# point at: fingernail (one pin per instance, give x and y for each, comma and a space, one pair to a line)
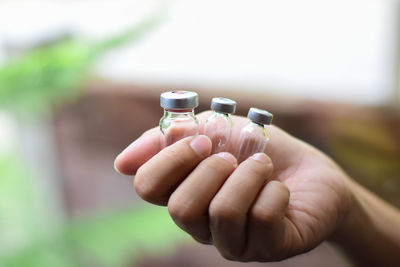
261, 157
228, 157
202, 145
115, 165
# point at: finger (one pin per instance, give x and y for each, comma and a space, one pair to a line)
156, 179
137, 153
147, 145
266, 237
188, 205
176, 133
228, 210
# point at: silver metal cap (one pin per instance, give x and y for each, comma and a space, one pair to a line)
223, 105
179, 100
260, 116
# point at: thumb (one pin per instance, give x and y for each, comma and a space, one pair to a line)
137, 153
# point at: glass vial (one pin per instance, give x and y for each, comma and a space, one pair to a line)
179, 120
254, 136
219, 125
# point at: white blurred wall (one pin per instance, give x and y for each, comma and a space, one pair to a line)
335, 50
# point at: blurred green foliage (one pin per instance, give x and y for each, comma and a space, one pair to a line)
112, 240
115, 239
35, 81
49, 75
19, 203
31, 85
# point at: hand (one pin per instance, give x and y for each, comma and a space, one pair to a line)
265, 209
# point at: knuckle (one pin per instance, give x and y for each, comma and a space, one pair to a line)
264, 215
140, 183
218, 164
144, 188
283, 188
228, 256
222, 211
179, 154
180, 212
177, 157
233, 256
261, 170
205, 240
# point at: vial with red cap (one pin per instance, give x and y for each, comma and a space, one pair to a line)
254, 136
179, 120
219, 125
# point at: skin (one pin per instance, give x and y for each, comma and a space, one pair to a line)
270, 207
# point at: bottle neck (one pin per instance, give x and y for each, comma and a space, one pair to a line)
258, 124
179, 112
263, 128
221, 114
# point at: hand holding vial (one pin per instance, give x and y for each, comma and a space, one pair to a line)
179, 121
266, 208
244, 209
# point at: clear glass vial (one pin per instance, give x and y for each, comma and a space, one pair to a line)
219, 125
254, 136
179, 120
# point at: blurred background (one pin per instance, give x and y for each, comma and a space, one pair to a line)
80, 80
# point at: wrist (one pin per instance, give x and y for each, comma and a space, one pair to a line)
368, 233
349, 214
349, 231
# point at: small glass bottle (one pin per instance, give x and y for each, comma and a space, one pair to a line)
254, 136
179, 120
219, 125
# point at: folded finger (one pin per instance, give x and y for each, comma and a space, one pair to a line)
156, 179
266, 223
228, 210
188, 205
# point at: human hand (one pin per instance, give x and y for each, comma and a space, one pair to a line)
265, 209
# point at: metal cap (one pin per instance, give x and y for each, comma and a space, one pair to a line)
179, 100
260, 116
223, 105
